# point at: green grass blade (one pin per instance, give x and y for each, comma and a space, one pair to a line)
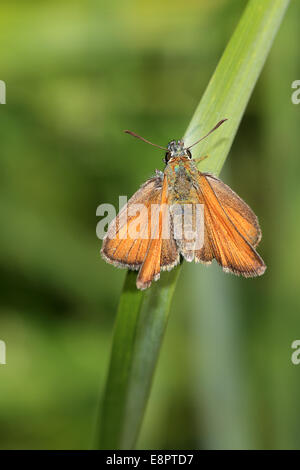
142, 317
139, 328
231, 85
122, 354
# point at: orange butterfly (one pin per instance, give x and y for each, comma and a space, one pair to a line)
161, 222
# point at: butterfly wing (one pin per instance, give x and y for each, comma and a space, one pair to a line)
121, 249
224, 236
148, 252
169, 256
237, 210
162, 253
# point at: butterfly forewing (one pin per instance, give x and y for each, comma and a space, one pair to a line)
148, 251
119, 246
152, 263
237, 210
224, 238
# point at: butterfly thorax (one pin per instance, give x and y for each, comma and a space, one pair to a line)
181, 173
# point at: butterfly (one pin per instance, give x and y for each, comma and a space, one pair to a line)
161, 224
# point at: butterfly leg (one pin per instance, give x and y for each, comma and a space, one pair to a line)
199, 159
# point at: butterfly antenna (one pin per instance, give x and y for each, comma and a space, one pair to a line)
144, 140
212, 130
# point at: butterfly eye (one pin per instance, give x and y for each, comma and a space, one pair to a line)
167, 157
189, 153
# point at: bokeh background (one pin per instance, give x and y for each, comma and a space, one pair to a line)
77, 74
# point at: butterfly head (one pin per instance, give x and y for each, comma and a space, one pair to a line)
175, 149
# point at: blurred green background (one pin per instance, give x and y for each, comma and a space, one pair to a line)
77, 74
